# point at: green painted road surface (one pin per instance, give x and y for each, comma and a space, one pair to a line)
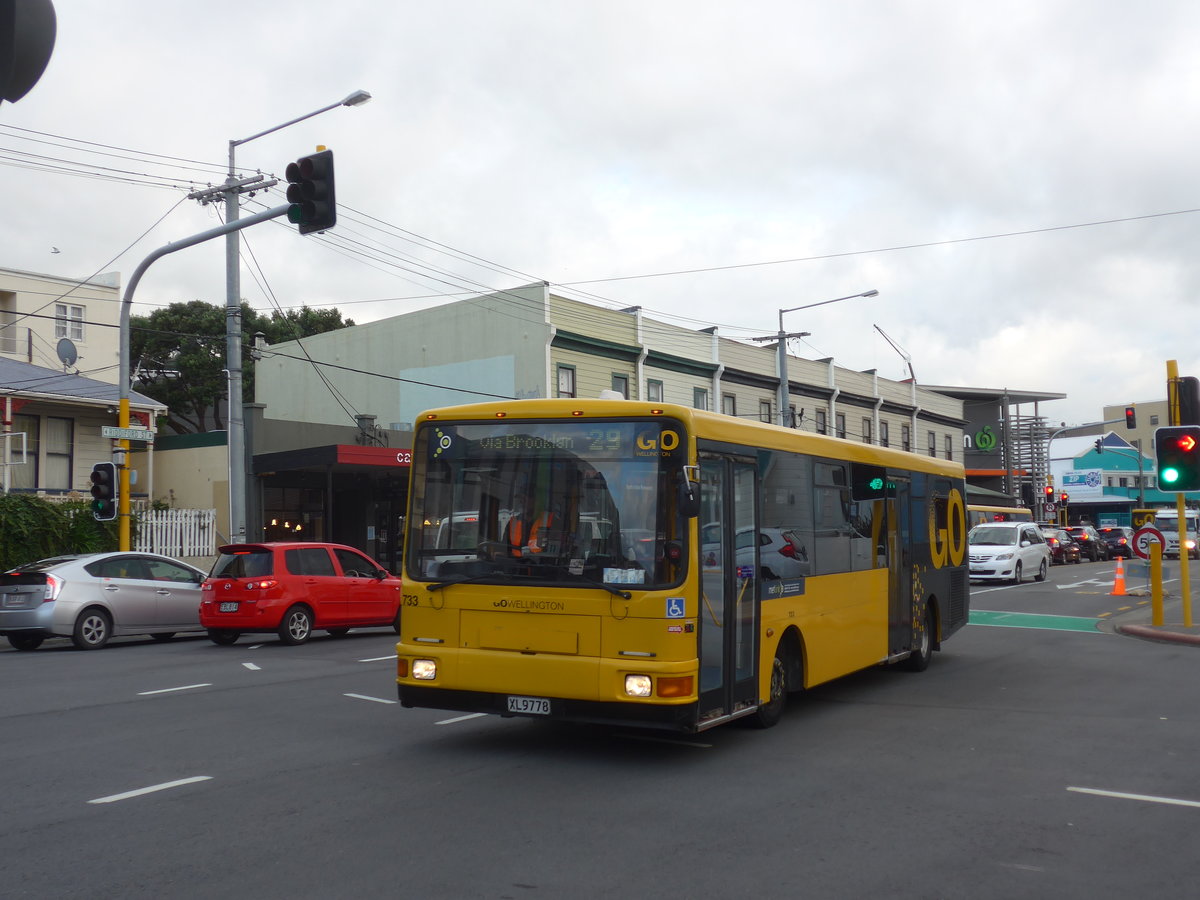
1033, 620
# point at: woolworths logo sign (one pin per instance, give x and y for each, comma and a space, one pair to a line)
984, 439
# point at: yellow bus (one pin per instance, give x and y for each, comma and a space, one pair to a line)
652, 565
977, 515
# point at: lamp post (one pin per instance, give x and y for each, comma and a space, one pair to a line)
233, 319
782, 336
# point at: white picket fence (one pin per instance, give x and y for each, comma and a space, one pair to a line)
177, 532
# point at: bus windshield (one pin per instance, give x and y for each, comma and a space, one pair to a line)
557, 502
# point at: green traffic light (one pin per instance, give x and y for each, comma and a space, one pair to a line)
1169, 475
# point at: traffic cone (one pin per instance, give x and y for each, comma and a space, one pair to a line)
1119, 579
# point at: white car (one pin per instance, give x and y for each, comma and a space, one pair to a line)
1007, 551
90, 598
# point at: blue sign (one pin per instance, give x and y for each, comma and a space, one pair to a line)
675, 608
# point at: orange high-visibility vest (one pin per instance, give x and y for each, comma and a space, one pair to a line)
519, 543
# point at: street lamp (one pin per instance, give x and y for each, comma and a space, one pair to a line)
782, 336
233, 318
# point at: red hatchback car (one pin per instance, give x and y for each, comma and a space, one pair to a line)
292, 588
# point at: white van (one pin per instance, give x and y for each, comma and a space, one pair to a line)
1167, 521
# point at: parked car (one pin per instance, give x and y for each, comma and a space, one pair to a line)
1089, 542
1005, 551
1118, 539
1063, 548
92, 597
292, 588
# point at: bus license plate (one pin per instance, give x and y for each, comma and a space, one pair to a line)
229, 607
537, 706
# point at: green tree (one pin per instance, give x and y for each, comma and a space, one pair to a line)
178, 354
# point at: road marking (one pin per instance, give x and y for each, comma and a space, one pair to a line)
999, 619
658, 740
1090, 581
1171, 801
252, 667
461, 719
378, 658
150, 790
186, 687
372, 699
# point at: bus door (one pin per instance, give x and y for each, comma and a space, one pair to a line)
900, 562
728, 626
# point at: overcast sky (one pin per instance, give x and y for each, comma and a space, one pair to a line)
1016, 179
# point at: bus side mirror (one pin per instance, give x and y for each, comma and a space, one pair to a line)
689, 492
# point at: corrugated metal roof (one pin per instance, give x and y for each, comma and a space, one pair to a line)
24, 380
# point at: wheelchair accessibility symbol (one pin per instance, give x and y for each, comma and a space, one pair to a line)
675, 608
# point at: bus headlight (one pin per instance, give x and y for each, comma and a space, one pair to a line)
638, 685
424, 669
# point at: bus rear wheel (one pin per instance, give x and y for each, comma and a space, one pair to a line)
771, 712
922, 652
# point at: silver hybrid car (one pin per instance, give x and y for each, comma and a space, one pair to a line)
92, 597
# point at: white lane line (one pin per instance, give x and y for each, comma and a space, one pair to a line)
254, 646
1171, 801
658, 740
378, 658
252, 667
150, 790
372, 699
186, 687
461, 718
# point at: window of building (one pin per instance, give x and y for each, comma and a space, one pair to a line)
883, 433
866, 432
792, 421
764, 410
620, 384
566, 381
8, 322
906, 438
839, 422
654, 391
729, 404
949, 446
25, 475
932, 444
60, 446
68, 321
822, 422
1154, 420
700, 398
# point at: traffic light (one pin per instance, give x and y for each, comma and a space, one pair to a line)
1099, 445
1049, 493
27, 32
1177, 452
310, 192
104, 491
1189, 400
1130, 417
1063, 498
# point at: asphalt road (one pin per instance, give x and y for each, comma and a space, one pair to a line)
1026, 761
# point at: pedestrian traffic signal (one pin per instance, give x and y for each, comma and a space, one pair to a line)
104, 491
1130, 417
1177, 453
310, 192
